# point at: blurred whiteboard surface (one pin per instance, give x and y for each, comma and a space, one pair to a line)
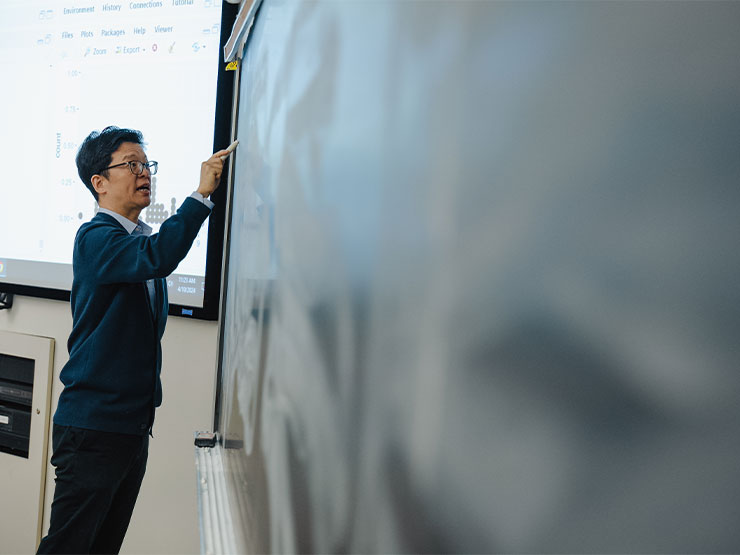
483, 278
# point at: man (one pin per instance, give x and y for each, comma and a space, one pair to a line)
119, 309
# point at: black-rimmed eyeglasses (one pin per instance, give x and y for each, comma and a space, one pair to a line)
136, 167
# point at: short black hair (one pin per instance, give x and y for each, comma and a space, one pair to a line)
96, 152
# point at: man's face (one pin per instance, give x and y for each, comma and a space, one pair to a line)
123, 192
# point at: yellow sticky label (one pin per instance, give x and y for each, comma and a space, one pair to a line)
232, 65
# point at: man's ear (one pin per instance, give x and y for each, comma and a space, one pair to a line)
99, 183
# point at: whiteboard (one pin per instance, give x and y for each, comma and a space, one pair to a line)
482, 287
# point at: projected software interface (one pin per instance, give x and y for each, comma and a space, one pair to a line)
72, 67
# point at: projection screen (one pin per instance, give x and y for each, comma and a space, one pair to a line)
72, 67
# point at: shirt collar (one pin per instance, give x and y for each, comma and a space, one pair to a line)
133, 229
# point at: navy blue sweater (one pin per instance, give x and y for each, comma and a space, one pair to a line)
111, 382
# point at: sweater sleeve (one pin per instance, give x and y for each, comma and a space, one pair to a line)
108, 254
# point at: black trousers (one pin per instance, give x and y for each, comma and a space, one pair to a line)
98, 476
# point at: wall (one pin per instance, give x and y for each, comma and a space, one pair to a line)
165, 519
